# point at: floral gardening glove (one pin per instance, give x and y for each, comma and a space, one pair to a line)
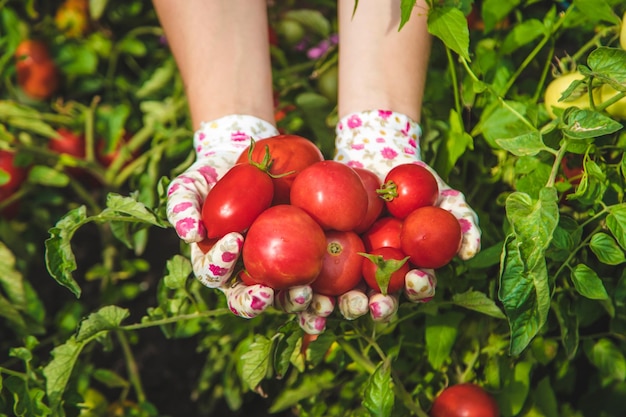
379, 140
218, 144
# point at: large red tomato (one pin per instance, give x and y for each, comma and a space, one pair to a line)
288, 154
408, 187
384, 232
236, 200
37, 74
341, 270
283, 248
464, 400
375, 204
332, 193
388, 263
431, 236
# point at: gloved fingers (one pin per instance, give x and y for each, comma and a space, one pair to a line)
294, 299
185, 196
313, 319
214, 268
353, 304
382, 307
420, 285
248, 301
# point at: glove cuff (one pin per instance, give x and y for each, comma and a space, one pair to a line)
228, 136
377, 140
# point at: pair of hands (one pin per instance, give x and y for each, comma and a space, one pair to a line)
376, 140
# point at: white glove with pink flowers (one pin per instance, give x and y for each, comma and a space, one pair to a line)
379, 140
218, 144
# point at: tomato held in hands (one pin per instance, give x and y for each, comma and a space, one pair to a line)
332, 193
341, 270
385, 265
375, 204
408, 187
464, 400
431, 236
384, 232
236, 200
289, 154
37, 74
283, 248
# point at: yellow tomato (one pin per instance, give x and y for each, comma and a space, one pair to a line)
618, 109
555, 89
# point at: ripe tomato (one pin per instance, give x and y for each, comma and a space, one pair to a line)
408, 187
284, 247
431, 236
332, 193
375, 204
464, 400
37, 74
68, 142
236, 200
390, 264
11, 177
341, 270
289, 154
384, 232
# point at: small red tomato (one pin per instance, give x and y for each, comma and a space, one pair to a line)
388, 265
384, 232
68, 142
341, 270
206, 244
408, 187
37, 74
289, 154
236, 200
11, 178
431, 236
283, 248
375, 204
332, 193
464, 400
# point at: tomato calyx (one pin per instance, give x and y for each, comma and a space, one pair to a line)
266, 163
388, 191
385, 268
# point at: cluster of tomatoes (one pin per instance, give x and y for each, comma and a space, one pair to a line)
310, 221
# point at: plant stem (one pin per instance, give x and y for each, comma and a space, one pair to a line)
131, 365
175, 319
455, 86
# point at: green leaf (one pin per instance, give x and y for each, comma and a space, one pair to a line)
28, 402
522, 34
606, 249
588, 283
110, 378
378, 396
47, 176
441, 333
505, 121
450, 25
586, 123
493, 11
385, 268
256, 361
58, 371
478, 301
454, 147
106, 319
178, 271
319, 347
60, 260
608, 359
616, 222
77, 59
528, 144
545, 399
288, 349
597, 10
592, 184
137, 211
96, 8
568, 324
160, 78
515, 389
406, 8
311, 385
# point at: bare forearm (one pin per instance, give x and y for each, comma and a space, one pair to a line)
222, 51
379, 66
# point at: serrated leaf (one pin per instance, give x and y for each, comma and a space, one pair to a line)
129, 206
178, 270
288, 348
478, 301
106, 319
528, 144
440, 335
378, 396
58, 371
256, 361
319, 347
586, 124
449, 25
28, 402
606, 249
588, 283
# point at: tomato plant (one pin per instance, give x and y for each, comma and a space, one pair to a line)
332, 193
464, 400
408, 187
37, 74
342, 264
384, 269
284, 247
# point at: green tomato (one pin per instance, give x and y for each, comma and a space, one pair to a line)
290, 30
618, 109
327, 83
556, 88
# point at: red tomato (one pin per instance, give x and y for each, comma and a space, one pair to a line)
236, 200
384, 232
341, 270
332, 193
289, 154
431, 236
206, 244
408, 187
464, 400
68, 142
375, 204
284, 247
37, 74
106, 157
15, 175
572, 166
384, 264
